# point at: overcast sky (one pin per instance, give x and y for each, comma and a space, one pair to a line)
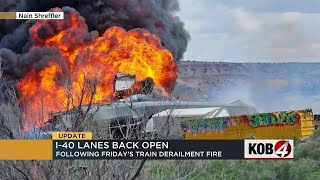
252, 30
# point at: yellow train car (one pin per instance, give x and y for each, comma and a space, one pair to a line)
274, 125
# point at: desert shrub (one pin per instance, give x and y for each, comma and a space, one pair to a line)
316, 134
310, 148
306, 165
175, 169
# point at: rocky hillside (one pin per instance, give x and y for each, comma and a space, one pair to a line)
268, 86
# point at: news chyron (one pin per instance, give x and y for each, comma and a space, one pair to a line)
268, 149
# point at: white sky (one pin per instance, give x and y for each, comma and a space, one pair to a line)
252, 30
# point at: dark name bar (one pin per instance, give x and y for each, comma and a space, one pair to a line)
148, 149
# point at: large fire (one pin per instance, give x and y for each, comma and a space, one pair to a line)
87, 64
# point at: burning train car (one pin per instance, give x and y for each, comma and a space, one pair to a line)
175, 119
140, 110
125, 85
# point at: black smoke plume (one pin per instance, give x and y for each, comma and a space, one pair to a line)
156, 16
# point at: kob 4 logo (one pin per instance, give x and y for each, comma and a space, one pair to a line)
268, 149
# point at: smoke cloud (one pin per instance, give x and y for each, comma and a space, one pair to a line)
158, 17
65, 54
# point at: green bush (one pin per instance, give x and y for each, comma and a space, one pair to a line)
306, 165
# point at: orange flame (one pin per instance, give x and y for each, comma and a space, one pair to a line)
89, 61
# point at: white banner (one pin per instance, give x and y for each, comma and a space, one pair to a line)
268, 149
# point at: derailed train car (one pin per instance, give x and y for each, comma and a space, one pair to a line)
274, 125
204, 121
189, 120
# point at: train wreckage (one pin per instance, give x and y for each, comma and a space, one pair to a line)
131, 108
175, 119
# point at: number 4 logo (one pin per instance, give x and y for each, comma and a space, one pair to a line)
282, 148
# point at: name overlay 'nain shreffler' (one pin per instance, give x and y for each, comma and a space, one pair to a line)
268, 149
39, 15
31, 15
